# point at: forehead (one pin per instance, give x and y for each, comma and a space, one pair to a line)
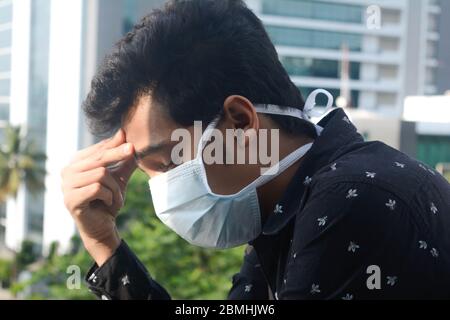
147, 124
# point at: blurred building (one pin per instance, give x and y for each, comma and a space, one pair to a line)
5, 83
443, 71
422, 132
392, 47
24, 40
49, 51
431, 116
79, 42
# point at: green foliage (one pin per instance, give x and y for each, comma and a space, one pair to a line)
53, 275
187, 272
27, 254
447, 176
6, 270
20, 162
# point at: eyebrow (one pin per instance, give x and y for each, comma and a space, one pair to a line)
138, 155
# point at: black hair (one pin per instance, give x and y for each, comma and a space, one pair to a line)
190, 56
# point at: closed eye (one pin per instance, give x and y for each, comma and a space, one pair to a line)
166, 167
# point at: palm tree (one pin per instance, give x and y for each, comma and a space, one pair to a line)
20, 162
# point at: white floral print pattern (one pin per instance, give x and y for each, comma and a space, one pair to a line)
322, 221
352, 193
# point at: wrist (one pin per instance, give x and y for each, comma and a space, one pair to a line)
102, 249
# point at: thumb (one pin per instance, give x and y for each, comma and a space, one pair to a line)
124, 171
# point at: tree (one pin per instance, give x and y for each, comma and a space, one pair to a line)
6, 268
20, 162
26, 255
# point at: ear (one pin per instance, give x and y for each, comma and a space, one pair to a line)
239, 113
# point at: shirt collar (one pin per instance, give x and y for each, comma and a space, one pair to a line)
338, 132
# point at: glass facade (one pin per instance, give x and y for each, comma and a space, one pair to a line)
134, 10
5, 67
5, 38
5, 63
313, 9
316, 39
6, 14
130, 18
307, 38
4, 112
39, 50
37, 107
4, 87
308, 67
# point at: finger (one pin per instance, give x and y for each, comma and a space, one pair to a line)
87, 194
114, 141
101, 175
105, 158
88, 151
125, 170
86, 178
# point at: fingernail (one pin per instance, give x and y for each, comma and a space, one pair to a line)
127, 148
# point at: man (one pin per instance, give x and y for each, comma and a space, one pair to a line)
339, 219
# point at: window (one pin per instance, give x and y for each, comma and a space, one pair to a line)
130, 10
432, 49
387, 72
430, 76
5, 63
5, 38
4, 112
134, 10
4, 87
433, 22
391, 17
6, 14
309, 67
310, 9
386, 99
313, 38
389, 45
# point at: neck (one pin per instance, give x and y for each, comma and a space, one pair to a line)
270, 193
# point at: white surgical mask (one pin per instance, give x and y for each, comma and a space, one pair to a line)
185, 203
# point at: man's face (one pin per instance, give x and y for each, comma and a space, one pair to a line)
149, 129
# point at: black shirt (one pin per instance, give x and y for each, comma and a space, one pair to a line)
359, 220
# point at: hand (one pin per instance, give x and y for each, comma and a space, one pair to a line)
94, 193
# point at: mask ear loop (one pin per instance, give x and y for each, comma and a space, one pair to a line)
201, 145
206, 135
304, 114
311, 102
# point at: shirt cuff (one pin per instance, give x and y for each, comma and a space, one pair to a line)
121, 277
